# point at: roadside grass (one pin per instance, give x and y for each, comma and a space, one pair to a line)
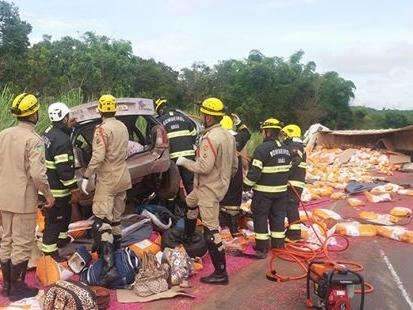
71, 98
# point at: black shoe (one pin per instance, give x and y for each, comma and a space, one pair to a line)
61, 243
6, 270
216, 278
18, 288
260, 255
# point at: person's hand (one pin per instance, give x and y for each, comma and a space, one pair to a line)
75, 197
180, 161
83, 186
235, 119
49, 202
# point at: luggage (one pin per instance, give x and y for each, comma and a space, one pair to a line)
174, 237
102, 297
180, 263
69, 295
48, 271
125, 267
151, 278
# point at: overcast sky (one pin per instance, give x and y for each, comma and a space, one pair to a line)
367, 41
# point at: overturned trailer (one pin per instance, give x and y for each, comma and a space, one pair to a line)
395, 140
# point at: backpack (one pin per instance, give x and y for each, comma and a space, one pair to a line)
69, 295
173, 237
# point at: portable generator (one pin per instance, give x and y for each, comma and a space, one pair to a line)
333, 286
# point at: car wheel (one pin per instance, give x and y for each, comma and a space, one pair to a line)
169, 185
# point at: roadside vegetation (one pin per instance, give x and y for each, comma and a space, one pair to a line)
76, 70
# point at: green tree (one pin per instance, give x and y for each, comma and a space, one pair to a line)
14, 42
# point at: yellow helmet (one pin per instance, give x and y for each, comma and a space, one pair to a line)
107, 104
160, 103
271, 123
227, 122
24, 105
212, 106
292, 131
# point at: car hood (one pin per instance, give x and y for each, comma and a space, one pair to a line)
126, 106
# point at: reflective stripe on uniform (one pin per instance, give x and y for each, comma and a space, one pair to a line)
248, 182
182, 154
259, 236
180, 133
294, 227
303, 165
63, 235
276, 169
50, 164
49, 248
193, 132
61, 158
297, 183
270, 189
257, 163
69, 182
60, 192
277, 234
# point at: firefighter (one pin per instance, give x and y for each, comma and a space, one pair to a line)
60, 166
268, 177
22, 175
109, 152
181, 132
230, 205
297, 179
215, 164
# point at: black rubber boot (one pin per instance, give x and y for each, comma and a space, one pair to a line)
293, 235
18, 288
61, 243
220, 275
190, 226
277, 243
117, 242
56, 256
6, 270
233, 226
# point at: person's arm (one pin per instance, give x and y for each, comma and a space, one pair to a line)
205, 161
99, 143
37, 167
254, 171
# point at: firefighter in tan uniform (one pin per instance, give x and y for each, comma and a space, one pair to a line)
215, 164
108, 161
22, 175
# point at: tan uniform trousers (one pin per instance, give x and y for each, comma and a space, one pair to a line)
111, 208
18, 236
208, 208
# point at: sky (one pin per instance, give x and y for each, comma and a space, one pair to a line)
367, 41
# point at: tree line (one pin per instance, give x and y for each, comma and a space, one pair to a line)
256, 87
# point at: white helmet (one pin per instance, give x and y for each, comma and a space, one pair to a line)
57, 111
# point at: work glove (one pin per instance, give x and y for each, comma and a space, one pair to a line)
181, 161
236, 119
83, 186
49, 202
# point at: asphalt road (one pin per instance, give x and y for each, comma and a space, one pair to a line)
388, 267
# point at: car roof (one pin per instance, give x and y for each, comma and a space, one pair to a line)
126, 106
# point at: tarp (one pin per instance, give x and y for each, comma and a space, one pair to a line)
400, 139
